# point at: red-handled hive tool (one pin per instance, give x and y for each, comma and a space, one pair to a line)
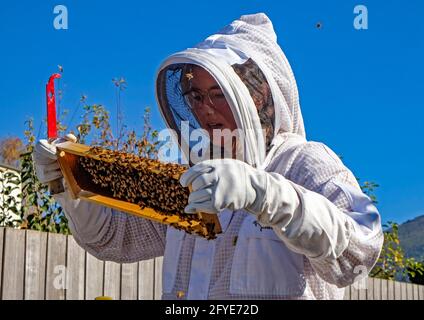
55, 186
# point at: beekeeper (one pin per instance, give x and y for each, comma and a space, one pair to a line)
295, 222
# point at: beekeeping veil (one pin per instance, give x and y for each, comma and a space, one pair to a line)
229, 56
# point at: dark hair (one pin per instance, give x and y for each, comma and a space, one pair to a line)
255, 81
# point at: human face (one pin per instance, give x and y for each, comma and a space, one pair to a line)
208, 101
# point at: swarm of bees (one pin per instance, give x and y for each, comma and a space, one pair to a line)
142, 181
146, 182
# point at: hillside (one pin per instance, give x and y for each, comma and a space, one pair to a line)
411, 234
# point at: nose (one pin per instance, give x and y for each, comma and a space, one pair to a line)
209, 108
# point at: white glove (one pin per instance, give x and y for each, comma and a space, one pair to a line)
233, 184
45, 159
306, 221
88, 221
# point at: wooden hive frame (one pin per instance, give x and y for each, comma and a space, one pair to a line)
80, 186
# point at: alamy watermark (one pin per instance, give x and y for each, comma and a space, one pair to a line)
360, 282
60, 21
197, 145
360, 22
62, 279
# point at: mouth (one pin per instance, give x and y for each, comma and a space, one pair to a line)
215, 125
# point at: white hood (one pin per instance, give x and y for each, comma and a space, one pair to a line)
251, 36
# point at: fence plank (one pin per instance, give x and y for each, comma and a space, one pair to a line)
129, 279
146, 279
94, 277
413, 292
75, 288
421, 290
346, 294
370, 288
35, 265
398, 291
403, 291
362, 286
384, 285
362, 292
409, 292
415, 289
1, 257
14, 264
158, 278
354, 293
390, 290
112, 280
377, 289
56, 267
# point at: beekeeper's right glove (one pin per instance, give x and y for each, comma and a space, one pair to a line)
45, 159
87, 221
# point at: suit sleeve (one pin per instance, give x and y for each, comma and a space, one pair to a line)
112, 235
336, 226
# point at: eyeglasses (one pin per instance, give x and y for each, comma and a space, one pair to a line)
196, 98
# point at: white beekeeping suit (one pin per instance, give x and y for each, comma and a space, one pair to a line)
317, 231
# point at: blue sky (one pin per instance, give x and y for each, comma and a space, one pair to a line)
360, 90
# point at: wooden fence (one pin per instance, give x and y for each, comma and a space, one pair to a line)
39, 265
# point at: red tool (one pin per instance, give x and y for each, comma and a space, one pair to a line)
51, 107
57, 185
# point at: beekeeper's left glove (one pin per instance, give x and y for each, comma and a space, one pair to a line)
306, 221
228, 183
